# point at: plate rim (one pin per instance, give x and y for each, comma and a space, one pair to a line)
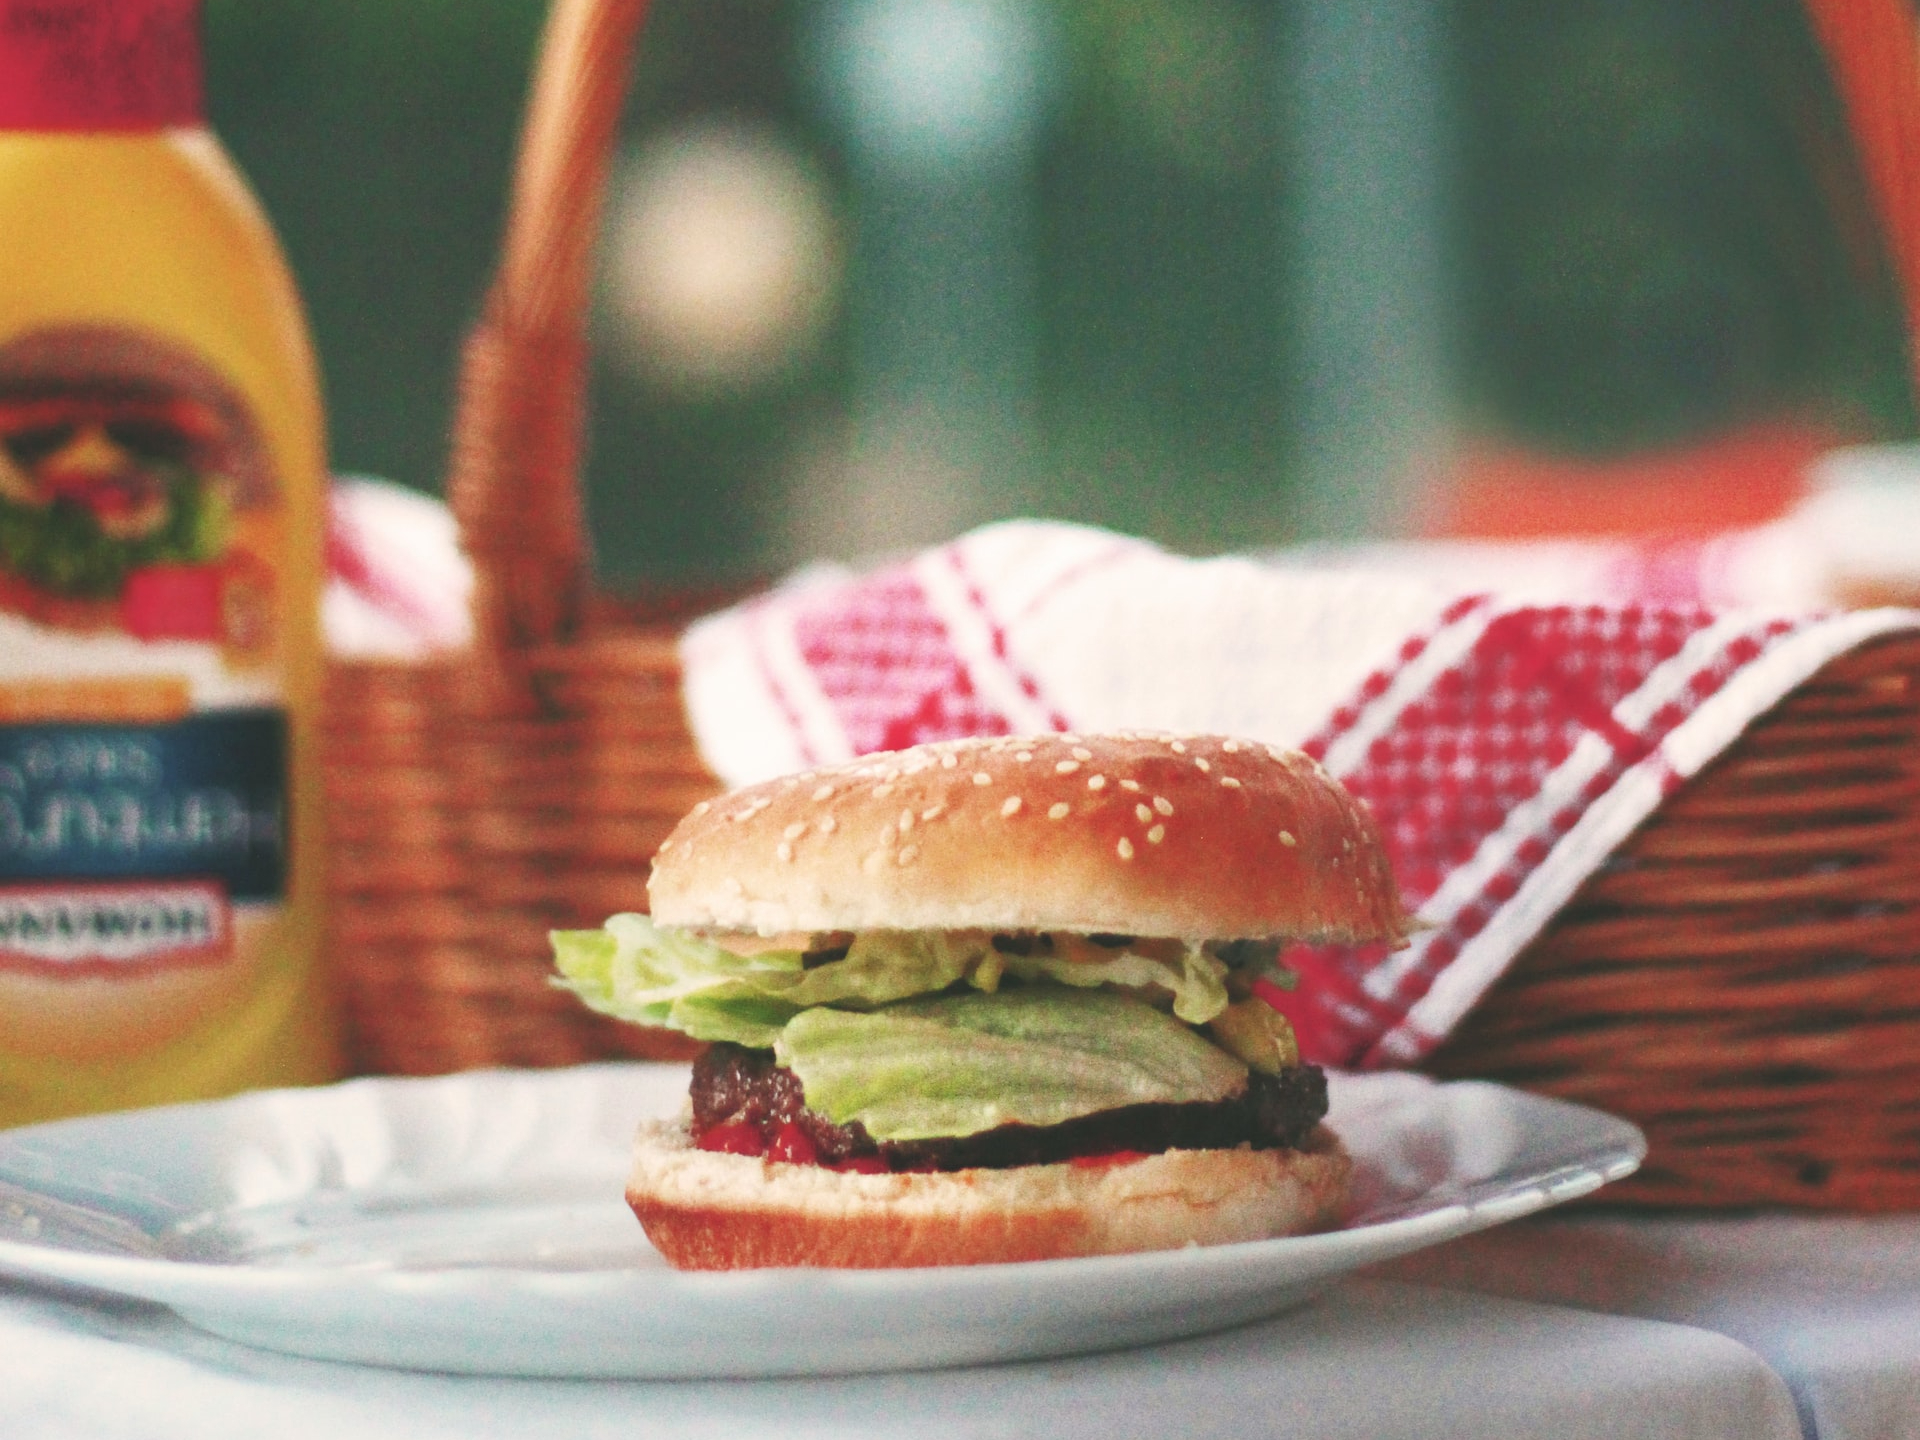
478, 1320
1446, 1219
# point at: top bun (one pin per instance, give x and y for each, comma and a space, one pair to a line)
1194, 837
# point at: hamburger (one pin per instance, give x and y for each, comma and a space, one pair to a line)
992, 1000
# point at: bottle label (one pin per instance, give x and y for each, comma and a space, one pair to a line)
100, 64
144, 835
203, 797
69, 932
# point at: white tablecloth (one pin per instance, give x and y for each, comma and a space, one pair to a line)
1370, 1360
1833, 1305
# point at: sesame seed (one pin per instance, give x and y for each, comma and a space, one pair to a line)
1066, 767
1125, 847
828, 824
1232, 747
1096, 782
887, 836
1023, 756
825, 792
949, 761
880, 792
933, 812
1201, 765
784, 851
1229, 782
1069, 738
1129, 784
980, 777
1156, 834
1010, 805
795, 830
665, 845
1059, 810
1142, 813
1286, 838
1163, 805
703, 807
1177, 747
1081, 753
909, 854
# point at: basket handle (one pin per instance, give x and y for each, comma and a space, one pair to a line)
520, 411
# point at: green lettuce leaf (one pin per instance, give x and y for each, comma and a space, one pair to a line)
736, 1014
636, 970
1032, 1055
1197, 984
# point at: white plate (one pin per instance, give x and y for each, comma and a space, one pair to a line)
475, 1223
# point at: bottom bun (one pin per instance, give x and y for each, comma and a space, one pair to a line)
707, 1211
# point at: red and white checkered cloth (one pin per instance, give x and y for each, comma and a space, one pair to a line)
1506, 743
397, 583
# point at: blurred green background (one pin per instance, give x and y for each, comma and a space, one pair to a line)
876, 270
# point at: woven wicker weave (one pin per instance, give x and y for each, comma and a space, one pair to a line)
1742, 979
462, 830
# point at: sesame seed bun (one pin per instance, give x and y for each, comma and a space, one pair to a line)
1193, 837
706, 1211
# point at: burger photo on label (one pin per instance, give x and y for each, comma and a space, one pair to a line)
992, 1000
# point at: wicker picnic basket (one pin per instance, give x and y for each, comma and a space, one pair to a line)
1743, 979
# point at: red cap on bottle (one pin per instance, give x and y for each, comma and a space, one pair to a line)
100, 64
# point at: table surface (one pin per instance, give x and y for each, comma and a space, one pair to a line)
1370, 1359
1832, 1305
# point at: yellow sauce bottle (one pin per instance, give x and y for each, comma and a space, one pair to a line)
162, 493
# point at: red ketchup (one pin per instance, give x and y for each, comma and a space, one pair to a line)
1112, 1157
790, 1145
735, 1137
793, 1146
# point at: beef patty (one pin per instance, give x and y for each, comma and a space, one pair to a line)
733, 1085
